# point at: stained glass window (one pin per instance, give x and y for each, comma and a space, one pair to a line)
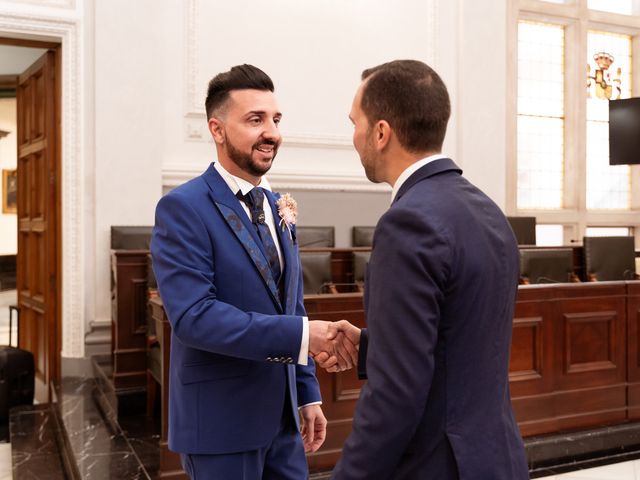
540, 115
609, 56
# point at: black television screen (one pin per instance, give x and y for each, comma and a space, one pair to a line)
624, 131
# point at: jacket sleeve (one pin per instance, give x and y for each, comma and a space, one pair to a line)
408, 270
183, 264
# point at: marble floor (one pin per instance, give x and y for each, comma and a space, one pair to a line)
618, 471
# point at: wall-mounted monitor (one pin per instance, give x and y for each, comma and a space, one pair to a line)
624, 131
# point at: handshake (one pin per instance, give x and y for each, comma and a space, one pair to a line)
334, 345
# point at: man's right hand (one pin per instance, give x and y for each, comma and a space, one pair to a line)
334, 345
329, 341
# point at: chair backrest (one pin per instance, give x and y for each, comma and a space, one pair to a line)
318, 237
130, 238
524, 229
360, 260
609, 258
362, 236
316, 271
554, 265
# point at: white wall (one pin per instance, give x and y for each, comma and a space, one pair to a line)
481, 101
130, 87
151, 80
143, 69
8, 160
15, 60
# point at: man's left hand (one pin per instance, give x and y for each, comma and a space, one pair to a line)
313, 427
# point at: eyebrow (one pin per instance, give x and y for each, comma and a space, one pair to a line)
261, 113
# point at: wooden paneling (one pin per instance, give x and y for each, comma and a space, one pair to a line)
170, 466
340, 391
633, 349
582, 382
575, 358
38, 204
129, 314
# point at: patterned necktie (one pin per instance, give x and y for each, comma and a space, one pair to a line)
255, 200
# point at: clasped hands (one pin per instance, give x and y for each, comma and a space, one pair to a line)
334, 345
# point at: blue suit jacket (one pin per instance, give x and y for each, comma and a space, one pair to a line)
234, 343
439, 297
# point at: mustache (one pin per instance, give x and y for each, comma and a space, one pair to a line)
265, 141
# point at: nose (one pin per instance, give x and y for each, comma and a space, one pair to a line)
271, 131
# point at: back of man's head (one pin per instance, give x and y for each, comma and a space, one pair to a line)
412, 98
240, 77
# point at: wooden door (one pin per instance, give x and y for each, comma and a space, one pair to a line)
38, 260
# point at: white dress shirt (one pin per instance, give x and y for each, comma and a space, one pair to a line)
238, 184
404, 176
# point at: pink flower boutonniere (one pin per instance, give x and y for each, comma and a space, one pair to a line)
288, 211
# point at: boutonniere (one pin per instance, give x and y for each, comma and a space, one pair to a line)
288, 211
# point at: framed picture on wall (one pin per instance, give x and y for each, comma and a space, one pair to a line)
9, 191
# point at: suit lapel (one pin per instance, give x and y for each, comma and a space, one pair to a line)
287, 244
237, 219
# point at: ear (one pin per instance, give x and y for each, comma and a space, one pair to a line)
217, 130
382, 134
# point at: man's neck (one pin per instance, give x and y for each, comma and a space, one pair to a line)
231, 167
401, 161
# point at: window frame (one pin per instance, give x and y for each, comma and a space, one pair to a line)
577, 20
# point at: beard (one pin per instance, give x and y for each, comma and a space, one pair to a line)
245, 160
369, 159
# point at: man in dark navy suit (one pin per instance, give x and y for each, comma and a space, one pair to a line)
439, 296
226, 260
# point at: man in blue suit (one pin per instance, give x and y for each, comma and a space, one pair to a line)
226, 261
440, 291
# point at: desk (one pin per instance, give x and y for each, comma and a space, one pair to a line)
575, 360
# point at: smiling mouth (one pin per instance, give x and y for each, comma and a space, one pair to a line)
266, 148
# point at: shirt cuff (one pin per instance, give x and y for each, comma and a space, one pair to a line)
303, 358
309, 404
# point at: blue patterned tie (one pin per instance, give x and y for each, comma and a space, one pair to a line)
254, 200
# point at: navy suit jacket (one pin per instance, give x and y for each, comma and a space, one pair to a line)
440, 291
234, 342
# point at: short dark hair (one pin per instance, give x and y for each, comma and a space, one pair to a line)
240, 77
412, 98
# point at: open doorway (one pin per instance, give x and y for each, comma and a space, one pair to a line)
30, 218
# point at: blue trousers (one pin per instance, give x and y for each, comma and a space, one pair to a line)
283, 459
